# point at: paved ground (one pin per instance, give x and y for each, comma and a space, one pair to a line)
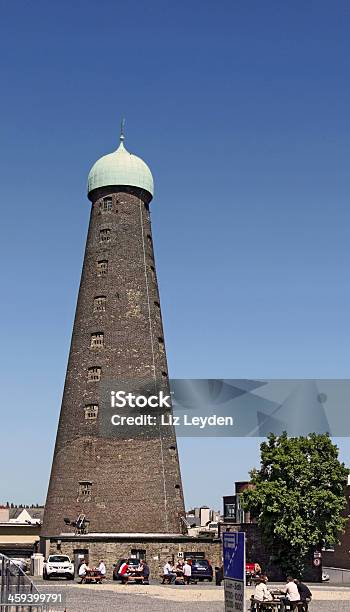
163, 598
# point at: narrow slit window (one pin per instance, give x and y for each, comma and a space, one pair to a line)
106, 205
94, 374
91, 412
105, 235
85, 489
161, 345
102, 267
100, 303
97, 340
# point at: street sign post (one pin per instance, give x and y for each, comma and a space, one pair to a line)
234, 571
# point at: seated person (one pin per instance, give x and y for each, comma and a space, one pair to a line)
145, 572
292, 594
168, 572
305, 594
124, 571
138, 570
179, 569
83, 568
261, 592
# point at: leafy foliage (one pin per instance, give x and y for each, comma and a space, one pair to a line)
298, 498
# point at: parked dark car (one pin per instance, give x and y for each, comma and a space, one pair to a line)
133, 564
202, 570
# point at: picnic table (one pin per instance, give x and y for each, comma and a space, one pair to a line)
275, 603
93, 575
134, 576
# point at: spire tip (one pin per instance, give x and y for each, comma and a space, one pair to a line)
122, 130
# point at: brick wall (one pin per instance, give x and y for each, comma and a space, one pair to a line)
340, 557
136, 484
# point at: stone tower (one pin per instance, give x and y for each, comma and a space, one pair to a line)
122, 484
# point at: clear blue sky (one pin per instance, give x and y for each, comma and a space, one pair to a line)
241, 110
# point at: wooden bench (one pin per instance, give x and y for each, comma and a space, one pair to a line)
262, 606
136, 579
166, 579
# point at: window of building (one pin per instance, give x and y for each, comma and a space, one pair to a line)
97, 340
94, 374
106, 205
157, 304
85, 488
161, 345
153, 273
100, 303
102, 267
138, 553
105, 235
91, 412
230, 511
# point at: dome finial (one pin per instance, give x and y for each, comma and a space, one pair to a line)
122, 127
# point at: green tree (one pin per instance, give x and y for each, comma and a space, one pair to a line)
298, 498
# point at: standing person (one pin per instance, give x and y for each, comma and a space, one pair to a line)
83, 568
305, 594
219, 574
291, 591
102, 569
257, 569
168, 571
187, 569
261, 592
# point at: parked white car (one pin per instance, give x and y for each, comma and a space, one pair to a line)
58, 566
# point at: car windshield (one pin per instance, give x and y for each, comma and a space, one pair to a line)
203, 563
58, 559
133, 561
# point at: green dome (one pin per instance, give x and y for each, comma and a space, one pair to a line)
120, 168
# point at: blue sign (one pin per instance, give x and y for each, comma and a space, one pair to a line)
234, 555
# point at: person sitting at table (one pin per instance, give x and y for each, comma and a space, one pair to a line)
145, 572
168, 572
179, 568
102, 569
139, 567
261, 592
124, 571
83, 569
305, 594
292, 594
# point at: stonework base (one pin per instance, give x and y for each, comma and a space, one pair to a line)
156, 548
